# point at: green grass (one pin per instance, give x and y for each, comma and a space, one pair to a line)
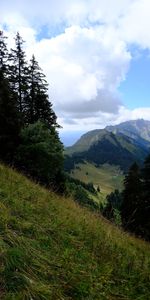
50, 248
107, 177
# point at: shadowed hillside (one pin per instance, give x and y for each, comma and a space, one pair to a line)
119, 145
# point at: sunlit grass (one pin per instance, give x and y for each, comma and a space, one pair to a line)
50, 248
107, 177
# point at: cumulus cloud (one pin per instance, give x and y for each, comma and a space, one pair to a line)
71, 12
86, 66
100, 120
138, 17
84, 54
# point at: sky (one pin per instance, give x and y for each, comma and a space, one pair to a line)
95, 54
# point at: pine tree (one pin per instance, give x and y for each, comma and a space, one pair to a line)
28, 127
18, 73
38, 105
9, 119
145, 209
146, 176
9, 122
131, 205
3, 54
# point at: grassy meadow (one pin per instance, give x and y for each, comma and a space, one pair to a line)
50, 248
107, 177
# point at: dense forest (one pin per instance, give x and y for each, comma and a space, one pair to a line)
29, 141
28, 125
133, 203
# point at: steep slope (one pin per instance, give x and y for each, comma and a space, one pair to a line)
86, 141
119, 145
138, 130
52, 249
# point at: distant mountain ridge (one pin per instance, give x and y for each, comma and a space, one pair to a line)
135, 129
119, 145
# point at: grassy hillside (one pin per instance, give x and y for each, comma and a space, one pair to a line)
50, 248
107, 177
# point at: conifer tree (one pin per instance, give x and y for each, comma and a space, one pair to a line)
28, 127
40, 154
146, 175
131, 205
145, 209
18, 73
38, 105
3, 54
9, 119
9, 122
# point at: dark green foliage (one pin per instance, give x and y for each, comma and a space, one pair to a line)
82, 197
88, 186
9, 122
146, 175
24, 101
3, 54
145, 209
135, 208
30, 86
40, 153
132, 201
109, 150
114, 202
18, 74
38, 106
9, 117
71, 161
80, 191
103, 152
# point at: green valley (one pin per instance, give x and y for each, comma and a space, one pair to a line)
106, 177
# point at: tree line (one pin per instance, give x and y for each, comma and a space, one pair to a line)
28, 125
133, 204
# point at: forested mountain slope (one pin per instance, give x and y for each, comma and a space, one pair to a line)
117, 145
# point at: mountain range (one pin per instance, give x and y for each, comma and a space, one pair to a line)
116, 145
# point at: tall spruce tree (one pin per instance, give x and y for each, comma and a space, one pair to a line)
24, 96
38, 106
3, 54
146, 176
131, 205
9, 119
18, 71
145, 210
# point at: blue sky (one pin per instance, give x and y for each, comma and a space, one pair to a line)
135, 90
97, 61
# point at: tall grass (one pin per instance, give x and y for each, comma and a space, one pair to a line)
50, 248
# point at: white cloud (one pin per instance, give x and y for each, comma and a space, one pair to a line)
86, 66
134, 26
101, 120
85, 63
71, 12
